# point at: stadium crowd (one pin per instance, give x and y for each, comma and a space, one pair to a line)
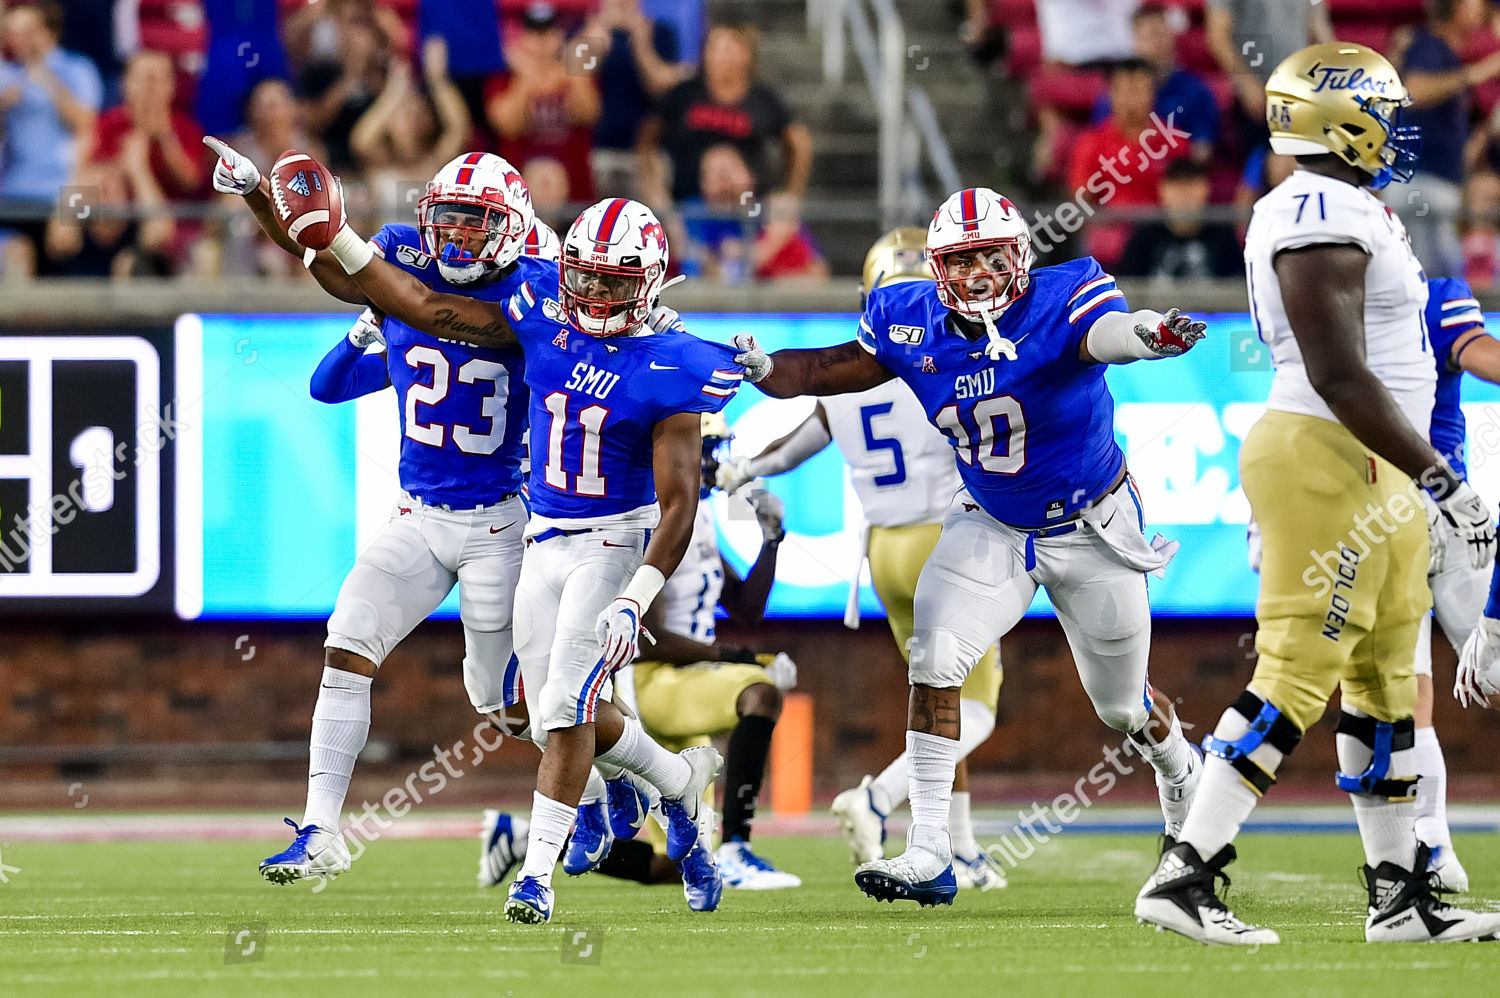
103, 106
1151, 110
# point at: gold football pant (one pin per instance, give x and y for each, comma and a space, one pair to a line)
1343, 578
897, 555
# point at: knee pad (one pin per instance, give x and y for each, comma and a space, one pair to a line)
940, 659
1257, 752
356, 620
1128, 718
1360, 736
490, 690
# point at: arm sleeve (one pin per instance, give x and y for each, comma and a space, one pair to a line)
347, 372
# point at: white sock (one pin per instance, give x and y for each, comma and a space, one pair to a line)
976, 723
1432, 791
1222, 804
639, 753
1170, 757
932, 761
551, 821
594, 790
888, 790
341, 723
1386, 827
961, 826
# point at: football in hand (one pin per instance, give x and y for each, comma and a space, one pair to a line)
307, 200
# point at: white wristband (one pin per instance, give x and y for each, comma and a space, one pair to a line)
1112, 338
351, 250
644, 586
308, 256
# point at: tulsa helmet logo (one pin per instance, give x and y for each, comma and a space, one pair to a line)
1342, 78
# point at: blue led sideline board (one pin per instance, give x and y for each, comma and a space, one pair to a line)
276, 491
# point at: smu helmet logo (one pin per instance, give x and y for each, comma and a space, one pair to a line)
652, 232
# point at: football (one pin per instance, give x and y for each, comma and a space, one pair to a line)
307, 199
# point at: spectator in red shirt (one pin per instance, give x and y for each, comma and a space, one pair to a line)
540, 108
724, 103
1118, 162
173, 140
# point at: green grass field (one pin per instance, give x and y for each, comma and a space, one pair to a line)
155, 919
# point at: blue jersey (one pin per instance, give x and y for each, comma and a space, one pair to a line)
463, 407
1034, 436
595, 402
1452, 311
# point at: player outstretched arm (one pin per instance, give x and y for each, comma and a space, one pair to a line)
1323, 291
823, 371
1120, 338
347, 371
780, 456
1478, 353
236, 174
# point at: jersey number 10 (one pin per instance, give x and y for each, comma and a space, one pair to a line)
979, 443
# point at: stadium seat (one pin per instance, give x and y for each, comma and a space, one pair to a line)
1071, 91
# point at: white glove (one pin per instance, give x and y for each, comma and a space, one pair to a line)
1470, 517
233, 173
732, 475
663, 318
1174, 335
756, 362
619, 630
1437, 538
1478, 678
769, 513
783, 672
366, 331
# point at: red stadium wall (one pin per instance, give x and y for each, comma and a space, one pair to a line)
205, 690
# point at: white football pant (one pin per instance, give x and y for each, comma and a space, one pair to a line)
411, 565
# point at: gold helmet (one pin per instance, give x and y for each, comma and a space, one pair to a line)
1345, 99
715, 427
899, 255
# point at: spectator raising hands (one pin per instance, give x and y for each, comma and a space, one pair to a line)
545, 107
409, 133
173, 140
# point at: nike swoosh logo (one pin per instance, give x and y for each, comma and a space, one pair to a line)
663, 367
496, 530
612, 544
596, 855
1110, 520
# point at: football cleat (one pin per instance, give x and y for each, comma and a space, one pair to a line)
980, 871
1405, 909
315, 852
682, 812
916, 875
628, 807
590, 842
1448, 873
701, 883
529, 901
863, 825
502, 844
743, 870
1177, 797
1180, 896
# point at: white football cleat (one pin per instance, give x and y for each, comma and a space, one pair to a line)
918, 874
743, 870
315, 852
1404, 909
1180, 896
862, 824
1177, 798
502, 844
980, 870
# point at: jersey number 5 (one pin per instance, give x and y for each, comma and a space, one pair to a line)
867, 416
978, 441
590, 480
474, 371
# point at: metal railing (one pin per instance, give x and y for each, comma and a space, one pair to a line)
908, 126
